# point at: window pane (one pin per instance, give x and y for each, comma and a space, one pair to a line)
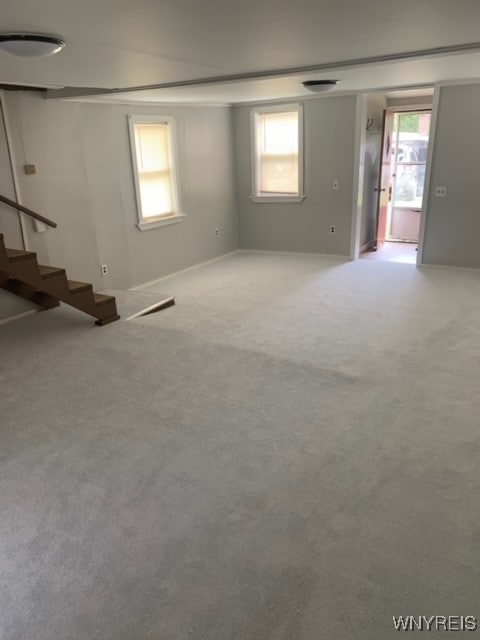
279, 174
409, 182
409, 153
156, 195
152, 146
279, 132
277, 149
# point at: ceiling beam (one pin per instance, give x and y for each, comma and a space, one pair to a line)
77, 92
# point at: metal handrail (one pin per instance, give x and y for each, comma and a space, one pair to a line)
29, 212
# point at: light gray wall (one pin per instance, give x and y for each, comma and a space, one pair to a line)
84, 182
452, 226
11, 305
376, 103
420, 101
329, 154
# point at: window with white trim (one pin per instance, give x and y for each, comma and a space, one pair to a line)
153, 154
277, 136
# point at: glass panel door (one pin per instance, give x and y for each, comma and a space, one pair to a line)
409, 156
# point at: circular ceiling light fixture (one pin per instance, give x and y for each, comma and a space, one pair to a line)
318, 86
30, 45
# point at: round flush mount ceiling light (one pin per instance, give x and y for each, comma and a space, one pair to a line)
318, 86
30, 45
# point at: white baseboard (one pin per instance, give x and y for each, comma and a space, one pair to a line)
453, 267
295, 253
18, 316
139, 287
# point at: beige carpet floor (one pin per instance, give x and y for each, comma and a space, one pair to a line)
291, 452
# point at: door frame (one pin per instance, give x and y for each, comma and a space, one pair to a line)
5, 123
383, 192
359, 159
358, 173
392, 187
428, 174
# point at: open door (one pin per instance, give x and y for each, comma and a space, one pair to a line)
409, 160
384, 187
402, 176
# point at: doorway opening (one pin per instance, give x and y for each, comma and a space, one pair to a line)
399, 193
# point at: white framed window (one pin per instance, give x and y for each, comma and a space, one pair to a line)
152, 141
277, 153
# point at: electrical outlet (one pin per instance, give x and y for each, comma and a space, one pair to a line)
335, 185
332, 229
217, 232
104, 269
440, 192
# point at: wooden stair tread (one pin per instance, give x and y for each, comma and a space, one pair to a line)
15, 255
50, 272
101, 299
77, 287
46, 286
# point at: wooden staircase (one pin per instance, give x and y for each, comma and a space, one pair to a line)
45, 286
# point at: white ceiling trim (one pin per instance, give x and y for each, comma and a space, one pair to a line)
471, 47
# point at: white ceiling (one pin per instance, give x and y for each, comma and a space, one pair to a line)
120, 43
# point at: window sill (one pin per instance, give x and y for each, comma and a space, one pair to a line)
146, 226
268, 199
